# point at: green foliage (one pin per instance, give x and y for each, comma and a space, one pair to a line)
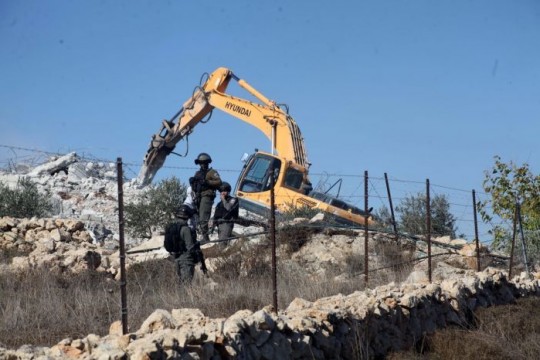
412, 214
508, 184
24, 201
155, 207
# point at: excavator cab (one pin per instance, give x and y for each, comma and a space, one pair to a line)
291, 189
256, 174
255, 182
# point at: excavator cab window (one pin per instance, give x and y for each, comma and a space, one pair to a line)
257, 174
293, 178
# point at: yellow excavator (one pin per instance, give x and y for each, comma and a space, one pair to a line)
286, 166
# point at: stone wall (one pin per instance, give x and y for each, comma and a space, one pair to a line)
367, 324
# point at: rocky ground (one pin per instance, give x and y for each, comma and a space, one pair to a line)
84, 234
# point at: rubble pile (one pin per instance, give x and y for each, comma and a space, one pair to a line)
67, 245
87, 191
55, 244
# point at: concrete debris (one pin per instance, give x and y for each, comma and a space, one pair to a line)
83, 190
55, 165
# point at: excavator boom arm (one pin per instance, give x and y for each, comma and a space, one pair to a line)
268, 117
273, 122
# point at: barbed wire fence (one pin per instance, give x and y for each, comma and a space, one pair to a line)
460, 200
382, 191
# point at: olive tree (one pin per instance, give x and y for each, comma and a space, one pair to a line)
155, 207
412, 214
24, 200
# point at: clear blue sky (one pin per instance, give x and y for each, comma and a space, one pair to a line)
416, 89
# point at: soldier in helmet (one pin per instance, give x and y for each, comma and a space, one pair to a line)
182, 244
226, 212
206, 182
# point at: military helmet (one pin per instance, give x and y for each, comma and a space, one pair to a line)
203, 158
183, 212
225, 186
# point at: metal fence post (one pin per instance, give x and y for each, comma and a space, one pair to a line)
273, 240
523, 243
366, 237
476, 232
123, 283
428, 227
513, 243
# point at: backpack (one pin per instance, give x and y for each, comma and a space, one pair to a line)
173, 242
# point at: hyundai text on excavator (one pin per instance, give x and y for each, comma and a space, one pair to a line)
287, 161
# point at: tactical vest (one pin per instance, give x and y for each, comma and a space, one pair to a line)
204, 188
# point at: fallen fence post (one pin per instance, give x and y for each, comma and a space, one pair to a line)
391, 206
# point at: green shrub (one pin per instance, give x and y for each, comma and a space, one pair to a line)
412, 212
155, 207
24, 201
508, 184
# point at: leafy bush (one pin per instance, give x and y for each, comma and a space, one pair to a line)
155, 207
24, 201
509, 184
412, 213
